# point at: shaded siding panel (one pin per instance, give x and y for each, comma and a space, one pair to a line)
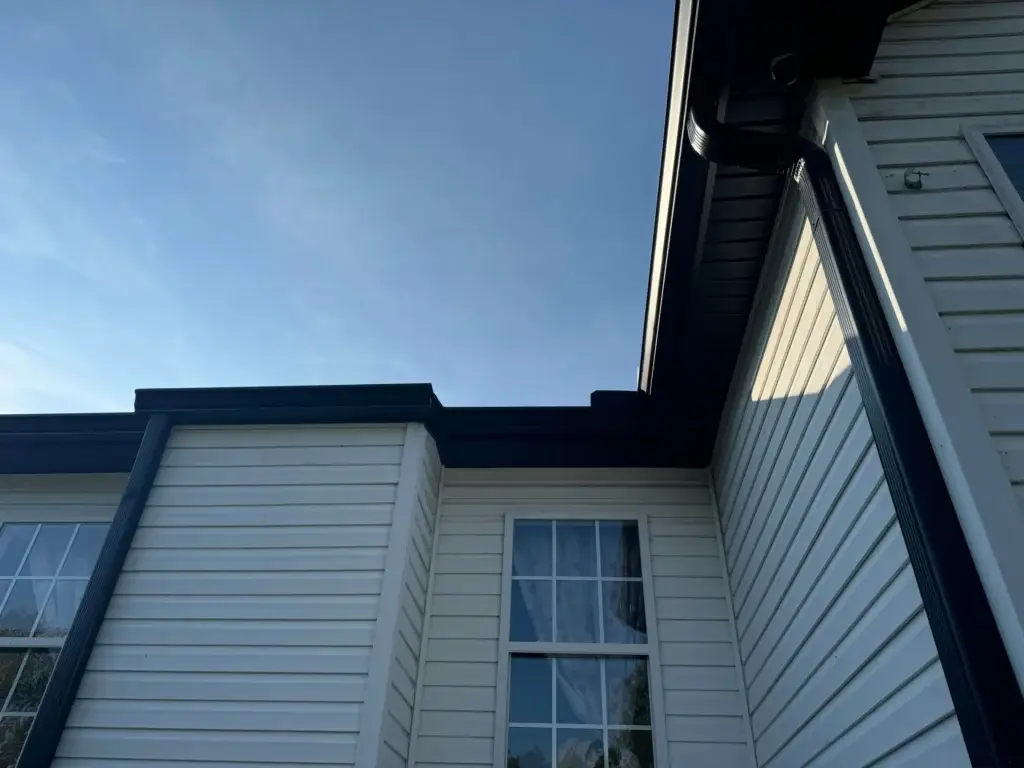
396, 732
242, 626
828, 615
60, 498
941, 68
703, 703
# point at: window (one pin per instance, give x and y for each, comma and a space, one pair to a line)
1000, 153
577, 649
43, 573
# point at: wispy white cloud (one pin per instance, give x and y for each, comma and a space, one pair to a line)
32, 383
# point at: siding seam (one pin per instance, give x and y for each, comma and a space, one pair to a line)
738, 660
417, 710
386, 632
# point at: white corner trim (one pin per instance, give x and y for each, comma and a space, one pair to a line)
737, 656
976, 135
985, 503
655, 672
421, 673
386, 631
501, 702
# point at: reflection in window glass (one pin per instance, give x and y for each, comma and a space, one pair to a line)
579, 748
22, 607
625, 616
576, 549
578, 690
60, 608
630, 749
577, 612
13, 731
530, 699
529, 748
34, 677
530, 619
602, 707
44, 570
84, 550
1009, 150
627, 698
620, 550
47, 552
531, 550
14, 540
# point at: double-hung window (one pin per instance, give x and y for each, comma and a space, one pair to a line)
577, 646
44, 569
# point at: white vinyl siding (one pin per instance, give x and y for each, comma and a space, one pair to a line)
240, 630
456, 718
942, 70
60, 498
400, 697
838, 658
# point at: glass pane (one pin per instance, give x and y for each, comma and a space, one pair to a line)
60, 608
579, 748
84, 550
10, 662
529, 748
578, 691
13, 731
14, 541
47, 550
33, 681
630, 749
531, 548
577, 552
531, 611
22, 607
1009, 150
625, 620
530, 690
577, 612
620, 550
628, 697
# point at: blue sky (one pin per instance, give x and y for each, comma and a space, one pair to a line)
259, 192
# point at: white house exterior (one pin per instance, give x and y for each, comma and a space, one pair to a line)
745, 571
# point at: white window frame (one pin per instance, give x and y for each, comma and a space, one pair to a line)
977, 135
506, 647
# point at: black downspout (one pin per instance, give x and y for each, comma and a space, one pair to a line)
55, 706
981, 679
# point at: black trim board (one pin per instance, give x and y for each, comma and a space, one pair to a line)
69, 443
43, 737
981, 679
618, 429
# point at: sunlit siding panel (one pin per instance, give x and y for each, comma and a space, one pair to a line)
829, 617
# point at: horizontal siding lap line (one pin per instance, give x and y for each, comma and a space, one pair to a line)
855, 497
815, 472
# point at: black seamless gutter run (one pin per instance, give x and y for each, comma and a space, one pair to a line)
981, 680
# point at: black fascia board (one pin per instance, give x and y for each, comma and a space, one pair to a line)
69, 443
617, 432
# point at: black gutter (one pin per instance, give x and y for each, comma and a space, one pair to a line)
59, 696
981, 680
